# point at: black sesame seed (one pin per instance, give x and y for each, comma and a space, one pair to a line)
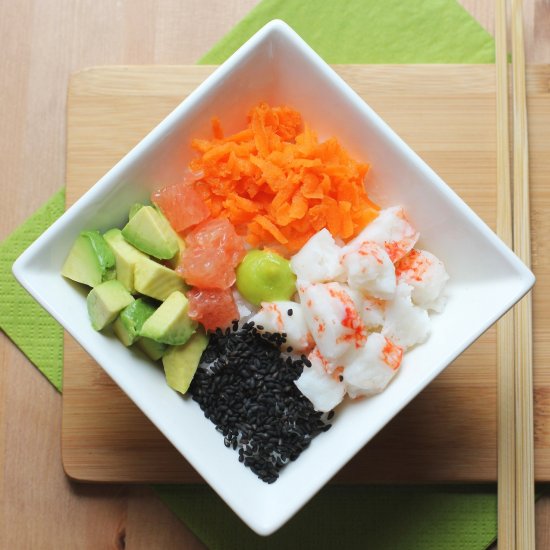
246, 388
289, 313
341, 378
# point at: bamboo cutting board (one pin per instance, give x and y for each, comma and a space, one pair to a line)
447, 114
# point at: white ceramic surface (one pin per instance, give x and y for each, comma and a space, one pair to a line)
275, 65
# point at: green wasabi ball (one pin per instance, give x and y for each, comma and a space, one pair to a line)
264, 276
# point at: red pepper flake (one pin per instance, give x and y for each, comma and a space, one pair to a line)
351, 319
367, 248
324, 361
337, 372
392, 354
395, 249
413, 266
275, 309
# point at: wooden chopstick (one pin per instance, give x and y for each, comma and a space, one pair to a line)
506, 425
525, 479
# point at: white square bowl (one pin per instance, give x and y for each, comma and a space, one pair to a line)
275, 65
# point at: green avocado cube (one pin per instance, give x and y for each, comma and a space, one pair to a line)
134, 209
106, 301
156, 280
150, 232
126, 257
90, 260
176, 260
128, 324
170, 324
122, 332
180, 362
153, 350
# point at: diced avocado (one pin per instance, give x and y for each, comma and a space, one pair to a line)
106, 301
156, 280
154, 350
181, 362
151, 233
175, 261
128, 324
126, 257
134, 209
170, 324
122, 332
90, 260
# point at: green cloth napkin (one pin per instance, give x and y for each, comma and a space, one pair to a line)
362, 518
371, 31
353, 31
30, 327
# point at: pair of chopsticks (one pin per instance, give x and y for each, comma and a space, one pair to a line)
516, 499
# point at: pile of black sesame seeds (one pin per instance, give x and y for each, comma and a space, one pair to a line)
245, 386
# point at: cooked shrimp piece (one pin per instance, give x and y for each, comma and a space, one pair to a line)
286, 317
324, 390
318, 260
370, 368
369, 269
392, 230
404, 323
372, 312
332, 315
428, 277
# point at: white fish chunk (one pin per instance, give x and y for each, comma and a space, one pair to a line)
325, 391
372, 312
404, 323
318, 260
392, 230
287, 317
370, 369
333, 317
369, 268
428, 277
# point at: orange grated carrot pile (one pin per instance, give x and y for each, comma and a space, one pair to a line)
278, 184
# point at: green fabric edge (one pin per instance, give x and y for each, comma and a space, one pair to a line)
378, 517
434, 31
26, 323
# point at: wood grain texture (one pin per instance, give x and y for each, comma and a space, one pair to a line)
42, 44
506, 417
105, 438
523, 316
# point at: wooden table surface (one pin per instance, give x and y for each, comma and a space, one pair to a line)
42, 43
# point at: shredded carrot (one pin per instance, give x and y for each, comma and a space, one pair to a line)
278, 184
217, 131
